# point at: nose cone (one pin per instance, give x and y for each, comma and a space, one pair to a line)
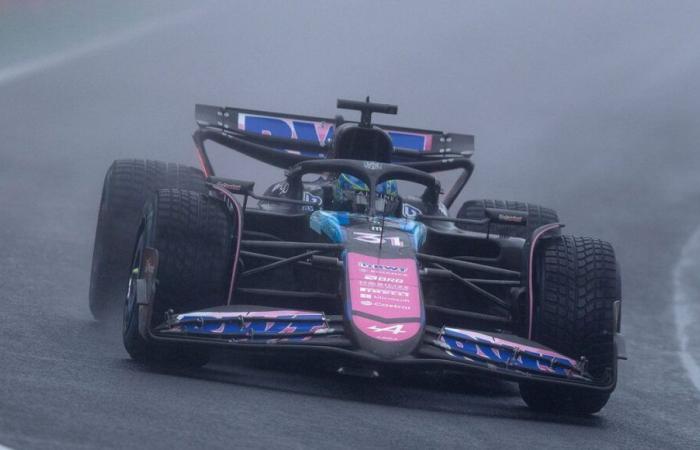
384, 304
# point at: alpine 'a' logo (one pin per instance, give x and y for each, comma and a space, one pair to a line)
393, 329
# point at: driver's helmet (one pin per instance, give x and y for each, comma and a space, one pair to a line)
351, 194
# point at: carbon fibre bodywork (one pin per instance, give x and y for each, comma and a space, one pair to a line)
382, 306
410, 290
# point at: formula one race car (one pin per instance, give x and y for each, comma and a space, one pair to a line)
354, 256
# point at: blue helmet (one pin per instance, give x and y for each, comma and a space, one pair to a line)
352, 190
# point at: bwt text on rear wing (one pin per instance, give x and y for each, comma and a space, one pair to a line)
275, 128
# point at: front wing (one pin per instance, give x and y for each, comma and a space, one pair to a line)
503, 356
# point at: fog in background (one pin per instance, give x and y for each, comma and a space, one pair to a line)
591, 108
562, 96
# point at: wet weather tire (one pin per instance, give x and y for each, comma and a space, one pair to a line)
127, 186
138, 347
536, 217
194, 235
576, 290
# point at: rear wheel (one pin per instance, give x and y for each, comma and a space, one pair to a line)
577, 286
536, 217
128, 185
194, 236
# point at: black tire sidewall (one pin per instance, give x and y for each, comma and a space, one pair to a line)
128, 186
568, 399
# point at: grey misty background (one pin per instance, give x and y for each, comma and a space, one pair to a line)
592, 108
584, 106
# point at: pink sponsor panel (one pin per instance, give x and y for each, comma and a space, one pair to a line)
385, 288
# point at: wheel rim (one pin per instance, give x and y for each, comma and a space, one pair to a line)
130, 303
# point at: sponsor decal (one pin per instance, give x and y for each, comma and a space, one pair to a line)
393, 329
387, 332
394, 287
320, 132
281, 188
317, 132
410, 211
373, 165
391, 292
381, 304
510, 218
383, 279
382, 267
309, 197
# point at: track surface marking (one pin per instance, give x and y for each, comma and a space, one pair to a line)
685, 302
95, 46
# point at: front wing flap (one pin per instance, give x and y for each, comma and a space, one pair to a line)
507, 357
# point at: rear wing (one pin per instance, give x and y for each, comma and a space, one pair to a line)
317, 132
283, 140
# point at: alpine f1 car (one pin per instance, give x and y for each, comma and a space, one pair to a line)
353, 256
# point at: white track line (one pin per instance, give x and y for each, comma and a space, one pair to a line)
18, 71
686, 302
2, 447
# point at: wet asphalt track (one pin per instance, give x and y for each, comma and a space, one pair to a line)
601, 125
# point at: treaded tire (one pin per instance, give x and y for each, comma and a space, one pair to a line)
577, 284
537, 216
127, 186
194, 236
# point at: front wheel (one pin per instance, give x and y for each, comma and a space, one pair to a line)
194, 236
139, 348
128, 185
576, 290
